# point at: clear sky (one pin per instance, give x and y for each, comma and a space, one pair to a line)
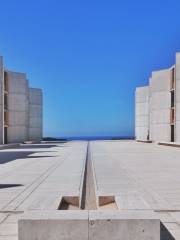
88, 56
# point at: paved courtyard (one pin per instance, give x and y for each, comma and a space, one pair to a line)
140, 176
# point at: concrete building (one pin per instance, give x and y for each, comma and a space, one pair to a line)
158, 106
20, 108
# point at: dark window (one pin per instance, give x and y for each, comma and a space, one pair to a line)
173, 79
172, 98
5, 135
172, 133
5, 101
5, 82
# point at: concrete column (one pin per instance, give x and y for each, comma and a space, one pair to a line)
142, 113
160, 103
17, 107
35, 114
177, 98
1, 100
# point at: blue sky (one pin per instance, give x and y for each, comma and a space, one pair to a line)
88, 56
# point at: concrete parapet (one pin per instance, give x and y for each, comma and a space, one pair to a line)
90, 225
63, 225
127, 226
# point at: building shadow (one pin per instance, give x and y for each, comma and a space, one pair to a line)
165, 234
2, 186
9, 156
40, 146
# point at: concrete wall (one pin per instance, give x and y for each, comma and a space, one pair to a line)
177, 98
160, 103
35, 114
1, 99
18, 107
142, 113
89, 225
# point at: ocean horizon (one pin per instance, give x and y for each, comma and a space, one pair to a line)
92, 138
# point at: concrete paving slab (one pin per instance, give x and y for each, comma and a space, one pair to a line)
140, 176
38, 181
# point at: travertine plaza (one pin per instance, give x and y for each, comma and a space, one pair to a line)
20, 108
158, 106
101, 190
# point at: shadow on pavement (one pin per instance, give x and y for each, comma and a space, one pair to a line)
9, 156
10, 185
36, 146
165, 234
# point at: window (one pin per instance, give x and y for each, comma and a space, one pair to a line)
172, 116
172, 98
5, 118
5, 101
172, 79
5, 82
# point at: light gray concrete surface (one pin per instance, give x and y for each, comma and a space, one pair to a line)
160, 103
177, 98
23, 108
105, 225
142, 113
143, 178
54, 225
1, 100
90, 225
35, 114
36, 177
18, 107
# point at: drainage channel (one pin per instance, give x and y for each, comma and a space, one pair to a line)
88, 199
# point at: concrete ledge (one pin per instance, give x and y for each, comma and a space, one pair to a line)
89, 225
170, 144
10, 145
144, 141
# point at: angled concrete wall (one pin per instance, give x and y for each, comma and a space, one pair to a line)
160, 103
1, 100
17, 107
177, 98
35, 114
142, 113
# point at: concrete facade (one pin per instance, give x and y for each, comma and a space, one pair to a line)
142, 113
18, 91
164, 106
160, 103
35, 114
20, 108
177, 98
1, 100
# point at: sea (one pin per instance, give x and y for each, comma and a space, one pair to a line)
91, 138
